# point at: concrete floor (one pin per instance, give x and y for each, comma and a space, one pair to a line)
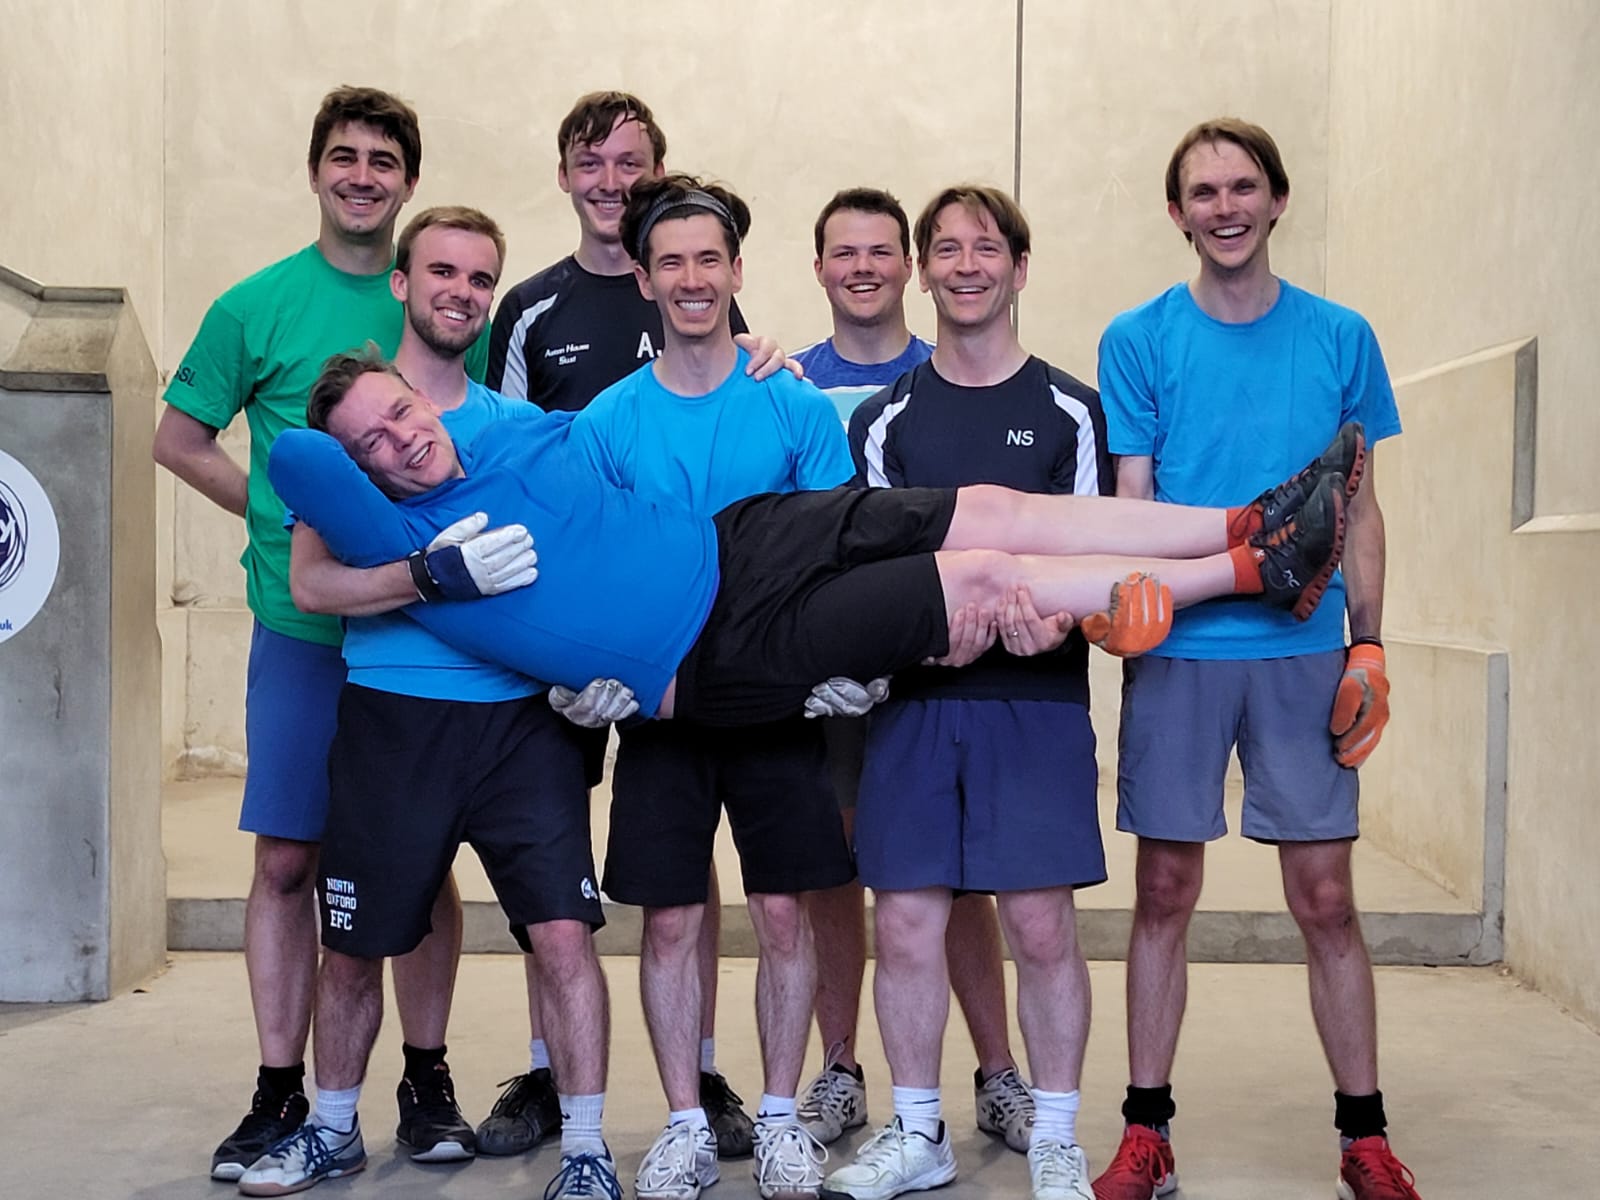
1491, 1088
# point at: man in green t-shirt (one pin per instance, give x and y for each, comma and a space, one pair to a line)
258, 351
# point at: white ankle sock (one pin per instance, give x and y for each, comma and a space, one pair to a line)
580, 1123
337, 1109
919, 1110
1055, 1116
708, 1055
538, 1055
689, 1116
775, 1110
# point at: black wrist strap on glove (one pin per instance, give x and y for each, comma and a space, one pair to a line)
1367, 641
427, 590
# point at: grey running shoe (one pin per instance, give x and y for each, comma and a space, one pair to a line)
836, 1100
1005, 1107
1059, 1170
682, 1160
789, 1161
585, 1177
304, 1159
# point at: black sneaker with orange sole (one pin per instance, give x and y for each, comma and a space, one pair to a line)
1297, 560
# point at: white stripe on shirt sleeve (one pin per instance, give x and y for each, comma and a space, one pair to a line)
1086, 471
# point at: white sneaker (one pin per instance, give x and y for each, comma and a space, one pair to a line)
585, 1176
681, 1162
1005, 1107
833, 1102
1060, 1170
788, 1161
894, 1161
307, 1156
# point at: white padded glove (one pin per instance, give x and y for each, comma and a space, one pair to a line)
602, 702
464, 562
841, 697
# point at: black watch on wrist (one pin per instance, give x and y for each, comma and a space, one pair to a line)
427, 590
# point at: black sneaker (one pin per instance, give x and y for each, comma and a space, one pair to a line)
1346, 455
270, 1119
430, 1120
527, 1112
736, 1132
1298, 559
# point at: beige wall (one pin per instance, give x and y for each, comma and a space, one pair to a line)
1461, 217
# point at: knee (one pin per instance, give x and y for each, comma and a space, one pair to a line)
1039, 935
1323, 907
285, 868
672, 932
907, 933
780, 924
562, 948
983, 575
1168, 887
348, 976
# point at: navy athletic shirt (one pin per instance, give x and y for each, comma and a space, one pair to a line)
563, 336
1039, 431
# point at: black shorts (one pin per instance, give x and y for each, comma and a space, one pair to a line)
670, 784
411, 779
814, 584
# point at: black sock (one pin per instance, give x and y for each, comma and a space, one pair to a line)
420, 1062
1359, 1116
282, 1081
1149, 1106
854, 1072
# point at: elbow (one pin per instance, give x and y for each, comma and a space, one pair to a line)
307, 598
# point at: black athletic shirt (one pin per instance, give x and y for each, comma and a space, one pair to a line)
563, 336
1039, 431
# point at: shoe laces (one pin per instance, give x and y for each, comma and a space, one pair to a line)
1008, 1093
434, 1091
1139, 1155
307, 1145
1381, 1175
266, 1110
672, 1156
518, 1090
788, 1154
715, 1091
585, 1174
828, 1090
886, 1150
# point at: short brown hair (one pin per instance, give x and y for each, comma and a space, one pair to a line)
389, 115
447, 216
339, 375
867, 200
594, 115
1006, 214
647, 193
1252, 139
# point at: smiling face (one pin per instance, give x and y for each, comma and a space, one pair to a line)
599, 175
448, 287
862, 267
1226, 206
691, 277
360, 183
395, 435
969, 272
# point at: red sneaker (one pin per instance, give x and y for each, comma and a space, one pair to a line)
1142, 1169
1370, 1171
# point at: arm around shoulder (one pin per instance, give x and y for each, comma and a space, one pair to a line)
320, 583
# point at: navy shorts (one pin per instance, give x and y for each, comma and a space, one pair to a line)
669, 786
979, 795
291, 702
411, 779
1181, 717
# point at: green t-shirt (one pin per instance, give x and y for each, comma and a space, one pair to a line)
260, 348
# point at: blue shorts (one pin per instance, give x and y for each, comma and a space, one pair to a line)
1181, 717
291, 704
979, 795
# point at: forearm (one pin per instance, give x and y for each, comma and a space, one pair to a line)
1364, 560
320, 583
211, 471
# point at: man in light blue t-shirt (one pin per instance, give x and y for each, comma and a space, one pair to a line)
1211, 387
863, 243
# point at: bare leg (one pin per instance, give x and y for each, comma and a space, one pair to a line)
1167, 882
574, 1004
1052, 983
839, 923
1317, 884
912, 984
995, 518
280, 947
709, 953
669, 985
977, 976
425, 979
350, 1008
786, 985
1078, 585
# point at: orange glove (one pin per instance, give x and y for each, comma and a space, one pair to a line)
1138, 618
1360, 706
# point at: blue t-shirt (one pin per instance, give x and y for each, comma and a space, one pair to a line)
848, 383
624, 585
704, 452
1228, 410
392, 653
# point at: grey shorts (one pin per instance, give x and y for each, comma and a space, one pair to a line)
1180, 719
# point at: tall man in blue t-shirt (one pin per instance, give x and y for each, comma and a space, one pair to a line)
435, 747
1208, 388
863, 244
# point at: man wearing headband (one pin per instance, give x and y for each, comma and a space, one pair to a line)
692, 428
559, 338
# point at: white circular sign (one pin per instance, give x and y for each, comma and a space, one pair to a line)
30, 546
